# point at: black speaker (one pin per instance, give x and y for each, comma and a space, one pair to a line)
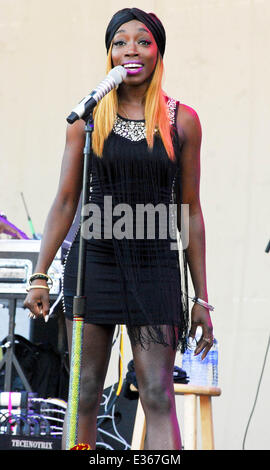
52, 332
116, 419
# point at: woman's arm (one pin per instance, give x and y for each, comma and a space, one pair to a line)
61, 214
189, 129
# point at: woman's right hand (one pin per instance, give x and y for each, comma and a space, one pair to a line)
38, 301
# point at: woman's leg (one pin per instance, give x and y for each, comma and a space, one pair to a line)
96, 351
154, 373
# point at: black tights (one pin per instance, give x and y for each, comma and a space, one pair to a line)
154, 374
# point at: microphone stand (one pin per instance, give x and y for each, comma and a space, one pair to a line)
79, 304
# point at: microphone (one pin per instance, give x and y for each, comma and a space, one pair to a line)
113, 79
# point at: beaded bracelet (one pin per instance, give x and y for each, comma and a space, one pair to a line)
40, 276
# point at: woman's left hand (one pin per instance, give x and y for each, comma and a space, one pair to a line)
200, 317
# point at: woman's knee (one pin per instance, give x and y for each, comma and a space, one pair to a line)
156, 397
90, 393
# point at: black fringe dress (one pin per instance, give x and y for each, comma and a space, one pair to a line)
136, 273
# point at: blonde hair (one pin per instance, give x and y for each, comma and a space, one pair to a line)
156, 113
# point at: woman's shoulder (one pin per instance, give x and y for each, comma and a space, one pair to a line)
187, 121
186, 112
77, 129
183, 111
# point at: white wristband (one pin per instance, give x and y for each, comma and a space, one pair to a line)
202, 302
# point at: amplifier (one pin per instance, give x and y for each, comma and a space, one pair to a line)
18, 259
22, 442
30, 423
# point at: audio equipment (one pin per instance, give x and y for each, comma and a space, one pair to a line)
86, 105
18, 259
30, 423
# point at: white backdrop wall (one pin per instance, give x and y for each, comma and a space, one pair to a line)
52, 54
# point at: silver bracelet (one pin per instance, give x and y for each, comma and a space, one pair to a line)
202, 302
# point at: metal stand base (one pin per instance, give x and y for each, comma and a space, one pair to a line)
10, 358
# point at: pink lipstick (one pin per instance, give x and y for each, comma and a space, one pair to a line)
133, 67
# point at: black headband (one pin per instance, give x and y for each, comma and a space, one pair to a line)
150, 20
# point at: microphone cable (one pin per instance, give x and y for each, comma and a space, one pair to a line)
257, 393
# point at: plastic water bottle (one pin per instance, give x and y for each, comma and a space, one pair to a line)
196, 368
213, 365
201, 372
